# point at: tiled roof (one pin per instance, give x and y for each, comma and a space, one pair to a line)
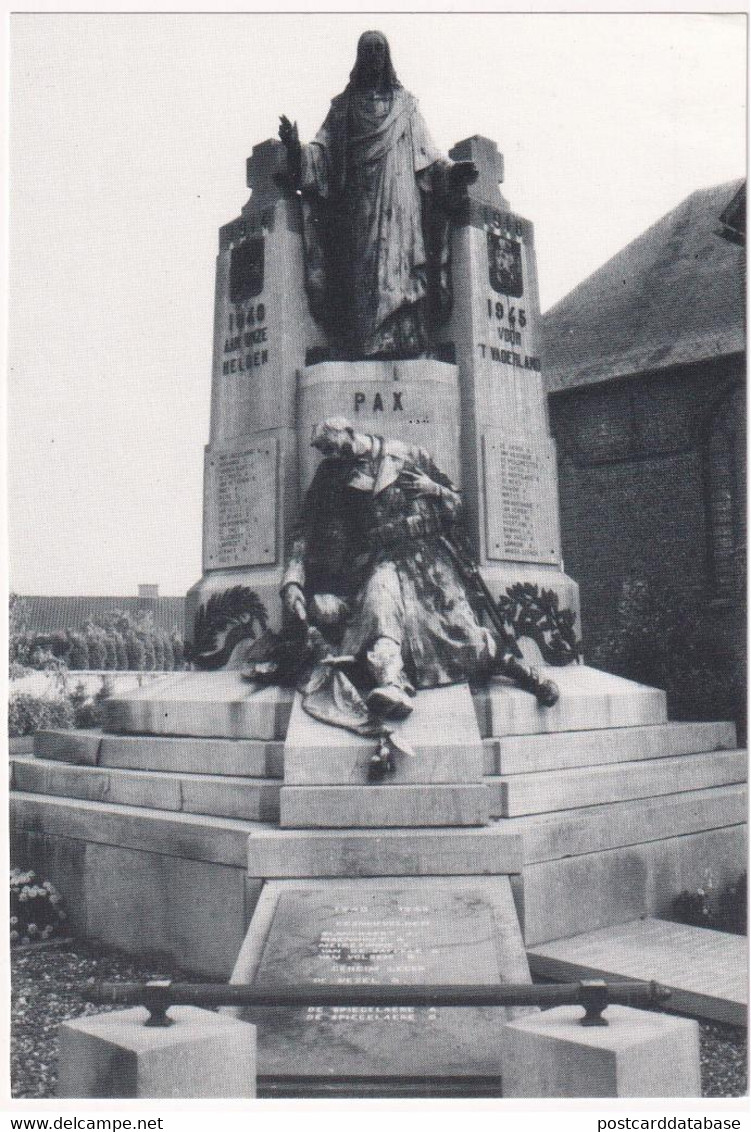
674, 295
48, 614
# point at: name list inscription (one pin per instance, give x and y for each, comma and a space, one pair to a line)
373, 951
520, 500
241, 526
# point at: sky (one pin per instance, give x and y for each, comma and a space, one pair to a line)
128, 140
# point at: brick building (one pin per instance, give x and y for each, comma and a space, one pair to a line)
49, 614
645, 372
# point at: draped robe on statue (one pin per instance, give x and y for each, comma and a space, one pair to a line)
369, 250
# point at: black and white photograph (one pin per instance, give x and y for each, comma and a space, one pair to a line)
376, 495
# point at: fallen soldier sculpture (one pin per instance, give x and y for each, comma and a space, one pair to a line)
380, 596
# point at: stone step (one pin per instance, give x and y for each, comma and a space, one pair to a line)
267, 851
227, 796
202, 704
259, 758
523, 754
587, 786
706, 971
251, 758
383, 806
193, 837
553, 836
493, 850
590, 700
442, 731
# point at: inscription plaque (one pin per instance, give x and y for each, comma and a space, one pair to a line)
386, 932
241, 506
521, 506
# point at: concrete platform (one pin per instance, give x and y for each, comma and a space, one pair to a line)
204, 704
224, 796
297, 853
568, 789
255, 758
381, 806
595, 890
590, 829
442, 731
590, 700
525, 754
705, 970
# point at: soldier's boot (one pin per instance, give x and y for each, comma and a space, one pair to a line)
527, 678
392, 696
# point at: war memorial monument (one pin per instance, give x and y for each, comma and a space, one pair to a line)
389, 763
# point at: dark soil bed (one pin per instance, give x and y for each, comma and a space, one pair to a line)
46, 984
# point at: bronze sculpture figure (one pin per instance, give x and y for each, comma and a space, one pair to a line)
376, 196
374, 588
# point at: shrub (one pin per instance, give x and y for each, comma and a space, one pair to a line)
36, 909
78, 658
666, 638
121, 651
178, 650
136, 651
149, 657
96, 641
28, 713
724, 911
158, 643
45, 661
110, 652
169, 655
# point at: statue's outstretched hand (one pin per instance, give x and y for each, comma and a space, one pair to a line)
290, 139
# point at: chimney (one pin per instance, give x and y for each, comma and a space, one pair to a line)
148, 591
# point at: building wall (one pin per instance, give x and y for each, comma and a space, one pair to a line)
636, 469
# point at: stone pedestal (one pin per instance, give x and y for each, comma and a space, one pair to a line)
326, 770
638, 1054
202, 1054
416, 402
262, 331
509, 475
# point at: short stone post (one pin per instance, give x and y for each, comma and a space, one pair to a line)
638, 1054
201, 1054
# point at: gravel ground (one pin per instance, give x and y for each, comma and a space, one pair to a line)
45, 982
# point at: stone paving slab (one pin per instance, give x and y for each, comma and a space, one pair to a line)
524, 754
705, 970
227, 797
425, 930
590, 700
567, 789
552, 836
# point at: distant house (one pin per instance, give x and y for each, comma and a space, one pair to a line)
49, 614
645, 370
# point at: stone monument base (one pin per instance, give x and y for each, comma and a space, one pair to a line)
167, 822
